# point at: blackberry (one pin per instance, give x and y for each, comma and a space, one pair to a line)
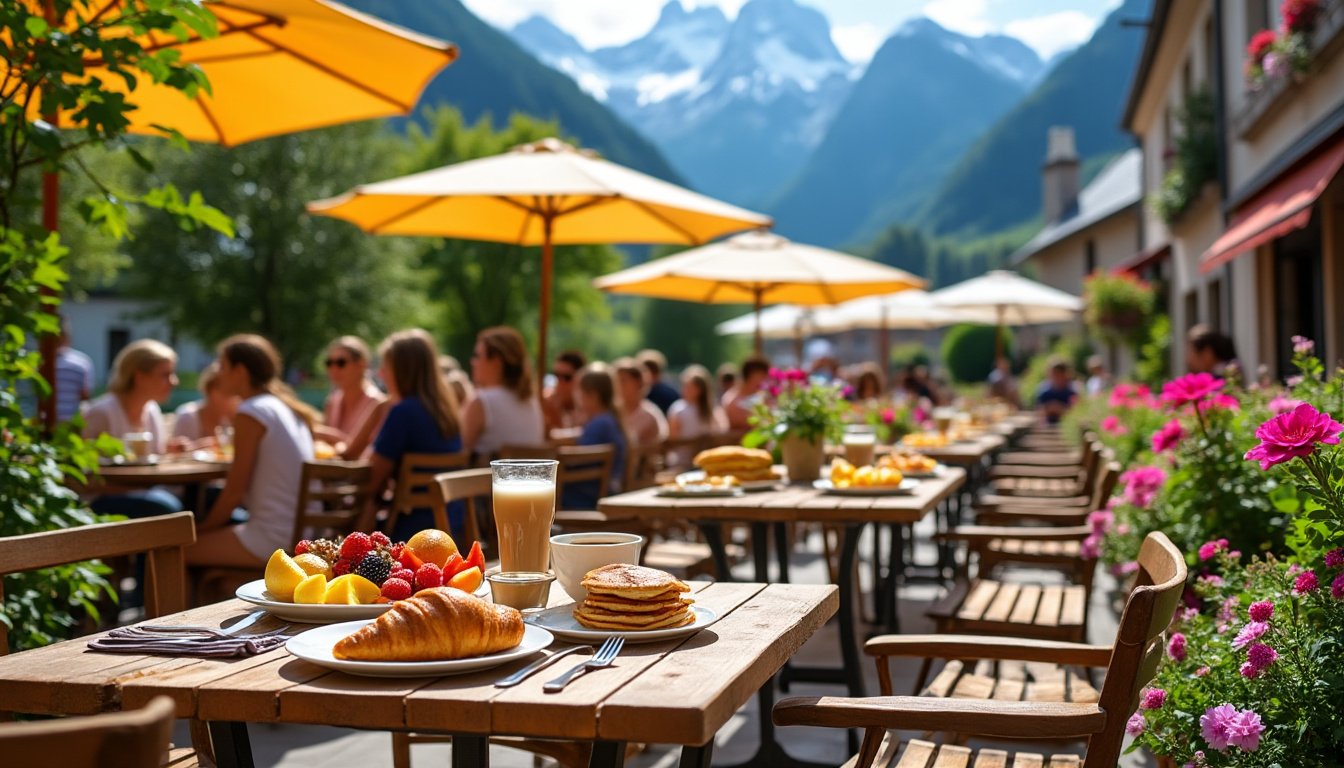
326, 549
374, 568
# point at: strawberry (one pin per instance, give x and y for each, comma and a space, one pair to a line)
428, 577
476, 558
454, 565
396, 589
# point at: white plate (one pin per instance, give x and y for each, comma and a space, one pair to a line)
315, 645
561, 622
906, 488
938, 471
255, 593
698, 491
697, 475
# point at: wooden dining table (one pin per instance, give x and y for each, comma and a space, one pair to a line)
170, 471
679, 691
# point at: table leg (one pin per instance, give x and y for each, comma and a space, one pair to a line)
781, 533
760, 551
697, 757
849, 643
713, 533
896, 566
607, 754
471, 750
231, 745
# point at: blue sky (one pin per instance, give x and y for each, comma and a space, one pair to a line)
859, 26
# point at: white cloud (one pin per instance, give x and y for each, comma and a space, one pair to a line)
969, 17
1053, 32
594, 23
858, 42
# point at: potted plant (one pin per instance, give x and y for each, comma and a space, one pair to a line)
1119, 306
796, 417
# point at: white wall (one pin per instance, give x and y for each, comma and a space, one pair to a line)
92, 321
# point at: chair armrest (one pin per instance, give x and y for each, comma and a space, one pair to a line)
989, 647
985, 533
1012, 719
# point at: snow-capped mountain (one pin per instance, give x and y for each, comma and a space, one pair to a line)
999, 55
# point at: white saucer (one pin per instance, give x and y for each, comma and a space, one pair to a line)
316, 645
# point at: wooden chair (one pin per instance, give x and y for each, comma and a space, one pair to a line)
132, 739
415, 476
1001, 708
466, 486
332, 496
1042, 481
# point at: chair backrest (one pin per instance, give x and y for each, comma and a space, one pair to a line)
1091, 462
332, 496
1107, 479
414, 478
162, 539
642, 464
587, 463
528, 452
136, 738
1138, 642
465, 485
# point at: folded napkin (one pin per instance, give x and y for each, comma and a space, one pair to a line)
138, 641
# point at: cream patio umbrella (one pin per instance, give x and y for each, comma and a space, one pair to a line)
759, 267
782, 321
545, 193
896, 311
1012, 299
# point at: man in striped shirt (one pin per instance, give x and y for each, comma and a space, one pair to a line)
74, 377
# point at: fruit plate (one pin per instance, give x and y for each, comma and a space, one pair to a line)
698, 476
560, 621
316, 646
906, 488
255, 593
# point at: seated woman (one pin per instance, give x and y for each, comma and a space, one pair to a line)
422, 418
505, 410
645, 425
695, 414
197, 420
144, 374
597, 398
272, 438
351, 413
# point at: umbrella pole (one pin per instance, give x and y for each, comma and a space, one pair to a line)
759, 342
547, 265
51, 198
998, 336
884, 346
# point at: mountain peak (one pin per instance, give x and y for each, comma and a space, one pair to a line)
998, 54
675, 13
538, 32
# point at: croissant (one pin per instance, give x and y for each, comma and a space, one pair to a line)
435, 625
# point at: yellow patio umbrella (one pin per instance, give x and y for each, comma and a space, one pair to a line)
544, 194
756, 267
277, 66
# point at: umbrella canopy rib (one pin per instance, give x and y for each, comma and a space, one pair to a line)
399, 215
690, 237
326, 70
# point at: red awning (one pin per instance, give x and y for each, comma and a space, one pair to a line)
1283, 206
1144, 259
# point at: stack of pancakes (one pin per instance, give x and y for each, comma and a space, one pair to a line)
745, 464
632, 598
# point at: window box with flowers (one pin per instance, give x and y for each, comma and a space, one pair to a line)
1279, 60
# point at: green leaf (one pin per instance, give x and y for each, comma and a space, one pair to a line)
36, 26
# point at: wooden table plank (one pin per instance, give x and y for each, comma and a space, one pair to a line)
251, 695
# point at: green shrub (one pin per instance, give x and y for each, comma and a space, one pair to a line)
968, 351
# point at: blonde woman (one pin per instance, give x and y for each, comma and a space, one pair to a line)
695, 414
196, 421
354, 399
505, 410
272, 439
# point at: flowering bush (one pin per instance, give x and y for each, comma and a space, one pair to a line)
1119, 306
798, 406
890, 421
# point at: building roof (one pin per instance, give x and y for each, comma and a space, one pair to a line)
1117, 188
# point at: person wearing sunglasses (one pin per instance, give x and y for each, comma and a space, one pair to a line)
354, 400
560, 403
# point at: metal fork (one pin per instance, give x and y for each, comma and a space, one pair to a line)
603, 658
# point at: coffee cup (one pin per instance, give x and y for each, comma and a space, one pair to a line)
573, 555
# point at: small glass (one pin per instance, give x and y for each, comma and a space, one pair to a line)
139, 445
524, 590
224, 442
942, 419
860, 444
523, 491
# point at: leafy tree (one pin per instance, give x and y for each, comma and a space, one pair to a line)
968, 351
478, 284
297, 279
44, 72
684, 332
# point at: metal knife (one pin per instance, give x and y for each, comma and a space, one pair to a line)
538, 665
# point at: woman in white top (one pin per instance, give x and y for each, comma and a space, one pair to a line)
695, 414
196, 421
143, 375
272, 439
645, 425
354, 409
504, 410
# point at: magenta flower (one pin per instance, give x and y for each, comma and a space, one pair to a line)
1168, 436
888, 415
1210, 548
1224, 726
1292, 435
1090, 549
1142, 485
1261, 610
1281, 404
1337, 587
1190, 388
1111, 425
1334, 558
1153, 698
1100, 520
1220, 400
1259, 657
1136, 724
1124, 569
1249, 633
1202, 671
1303, 346
1305, 582
1176, 646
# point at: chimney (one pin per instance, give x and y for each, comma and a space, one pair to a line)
1059, 175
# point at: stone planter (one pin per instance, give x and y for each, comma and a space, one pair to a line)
802, 458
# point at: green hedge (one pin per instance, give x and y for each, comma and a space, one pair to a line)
968, 351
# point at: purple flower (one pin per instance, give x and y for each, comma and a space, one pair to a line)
1142, 484
1261, 611
1249, 634
1224, 726
1281, 404
1210, 548
1136, 724
1260, 656
1190, 388
1176, 646
1334, 558
1168, 436
1292, 435
1153, 698
1303, 346
1306, 582
1337, 587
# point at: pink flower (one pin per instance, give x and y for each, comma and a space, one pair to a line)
1249, 634
1292, 435
1260, 44
1293, 381
1224, 726
1176, 646
888, 415
1168, 436
1090, 549
1136, 724
1261, 611
1124, 569
1202, 671
1220, 400
1337, 587
1210, 548
1258, 658
1305, 583
1100, 520
1142, 485
1300, 16
1334, 558
1190, 388
1281, 404
1153, 698
1111, 425
1301, 344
